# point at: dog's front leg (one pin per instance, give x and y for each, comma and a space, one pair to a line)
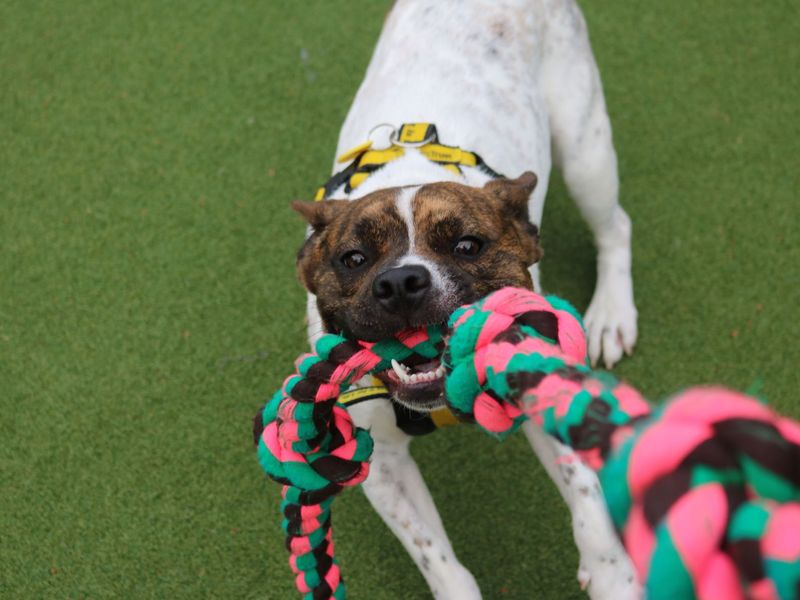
584, 150
399, 495
605, 570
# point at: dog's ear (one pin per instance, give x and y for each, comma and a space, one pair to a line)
514, 193
319, 214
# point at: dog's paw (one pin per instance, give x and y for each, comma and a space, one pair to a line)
609, 578
611, 322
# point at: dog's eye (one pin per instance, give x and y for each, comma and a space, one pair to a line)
468, 246
353, 259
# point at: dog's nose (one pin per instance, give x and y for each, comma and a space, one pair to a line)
402, 289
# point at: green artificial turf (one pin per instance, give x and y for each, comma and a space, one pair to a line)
148, 306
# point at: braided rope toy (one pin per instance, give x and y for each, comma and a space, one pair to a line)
307, 441
704, 491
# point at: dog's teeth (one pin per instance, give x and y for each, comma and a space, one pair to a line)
401, 371
405, 375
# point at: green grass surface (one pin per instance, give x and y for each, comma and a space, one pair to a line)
148, 306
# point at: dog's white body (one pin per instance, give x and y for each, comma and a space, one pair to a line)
516, 82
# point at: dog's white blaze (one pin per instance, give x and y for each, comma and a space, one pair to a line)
404, 203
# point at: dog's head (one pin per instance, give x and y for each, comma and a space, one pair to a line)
407, 257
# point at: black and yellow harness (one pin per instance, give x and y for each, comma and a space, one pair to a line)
364, 161
423, 137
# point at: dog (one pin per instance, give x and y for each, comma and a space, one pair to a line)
424, 228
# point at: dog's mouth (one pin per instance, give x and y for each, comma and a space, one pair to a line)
416, 384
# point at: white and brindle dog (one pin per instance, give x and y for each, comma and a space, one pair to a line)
516, 82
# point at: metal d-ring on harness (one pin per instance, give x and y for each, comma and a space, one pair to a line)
365, 159
423, 137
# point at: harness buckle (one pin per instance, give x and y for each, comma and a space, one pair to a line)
407, 136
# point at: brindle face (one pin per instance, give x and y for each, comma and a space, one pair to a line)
406, 257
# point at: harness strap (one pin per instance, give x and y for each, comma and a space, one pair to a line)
421, 136
411, 422
359, 395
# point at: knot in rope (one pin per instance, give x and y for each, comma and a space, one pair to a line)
705, 493
486, 336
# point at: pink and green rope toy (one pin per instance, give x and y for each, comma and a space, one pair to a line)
703, 490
